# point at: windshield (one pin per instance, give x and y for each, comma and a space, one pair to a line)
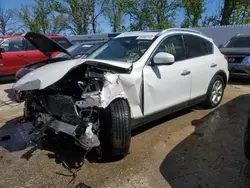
238, 42
79, 50
125, 49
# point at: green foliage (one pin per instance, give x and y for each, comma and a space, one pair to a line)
241, 13
193, 12
82, 16
114, 11
41, 18
163, 13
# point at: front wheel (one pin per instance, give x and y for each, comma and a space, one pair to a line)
215, 92
116, 129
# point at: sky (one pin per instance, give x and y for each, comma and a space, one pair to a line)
212, 9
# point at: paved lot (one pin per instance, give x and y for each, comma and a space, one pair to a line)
192, 148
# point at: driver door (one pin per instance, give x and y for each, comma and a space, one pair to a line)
167, 86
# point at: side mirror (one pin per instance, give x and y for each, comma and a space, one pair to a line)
220, 46
163, 58
2, 50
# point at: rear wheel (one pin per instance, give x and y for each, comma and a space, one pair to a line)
215, 92
116, 129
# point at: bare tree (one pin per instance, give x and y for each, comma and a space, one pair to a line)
95, 14
7, 24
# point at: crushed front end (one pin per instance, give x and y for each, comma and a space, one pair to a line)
71, 105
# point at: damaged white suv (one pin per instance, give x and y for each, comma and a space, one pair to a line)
129, 81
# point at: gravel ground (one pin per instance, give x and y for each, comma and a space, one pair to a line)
191, 148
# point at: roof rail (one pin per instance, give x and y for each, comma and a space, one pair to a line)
179, 29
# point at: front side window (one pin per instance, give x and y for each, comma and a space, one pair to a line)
173, 45
196, 46
124, 49
238, 42
30, 46
13, 45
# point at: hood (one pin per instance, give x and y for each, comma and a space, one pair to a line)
235, 51
44, 44
49, 74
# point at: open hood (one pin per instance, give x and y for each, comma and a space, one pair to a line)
44, 44
49, 74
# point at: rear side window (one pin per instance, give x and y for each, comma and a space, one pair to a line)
238, 42
13, 45
62, 42
196, 46
173, 45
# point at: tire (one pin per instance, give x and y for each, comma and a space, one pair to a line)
115, 132
28, 110
211, 101
247, 140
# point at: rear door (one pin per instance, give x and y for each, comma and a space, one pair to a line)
33, 55
202, 62
14, 56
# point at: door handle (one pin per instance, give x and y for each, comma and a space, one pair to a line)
185, 73
1, 65
213, 65
20, 55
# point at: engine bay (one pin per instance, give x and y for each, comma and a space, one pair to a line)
71, 105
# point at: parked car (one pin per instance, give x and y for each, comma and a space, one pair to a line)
237, 52
129, 81
16, 52
73, 52
98, 37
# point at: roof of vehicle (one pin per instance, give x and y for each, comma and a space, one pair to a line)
21, 36
157, 33
152, 34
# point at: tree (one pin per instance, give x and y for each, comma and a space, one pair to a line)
7, 24
210, 21
193, 12
115, 13
163, 13
95, 14
79, 13
241, 13
41, 17
139, 14
235, 12
227, 10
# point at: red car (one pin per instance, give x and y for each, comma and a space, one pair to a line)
16, 52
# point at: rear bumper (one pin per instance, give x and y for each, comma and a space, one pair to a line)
239, 71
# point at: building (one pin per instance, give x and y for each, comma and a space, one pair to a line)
221, 34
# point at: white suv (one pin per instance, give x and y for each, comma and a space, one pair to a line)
131, 80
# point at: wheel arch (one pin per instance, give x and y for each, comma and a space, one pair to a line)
223, 75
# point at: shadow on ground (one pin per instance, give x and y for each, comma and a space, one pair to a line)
10, 94
16, 135
213, 155
238, 81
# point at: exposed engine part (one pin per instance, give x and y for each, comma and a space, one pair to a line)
88, 139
